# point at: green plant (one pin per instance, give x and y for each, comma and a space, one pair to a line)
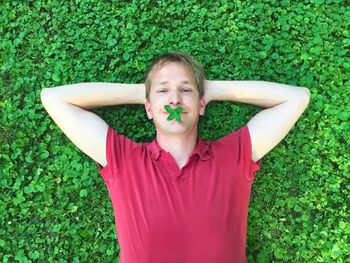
52, 198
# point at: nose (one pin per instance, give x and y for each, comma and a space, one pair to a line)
175, 98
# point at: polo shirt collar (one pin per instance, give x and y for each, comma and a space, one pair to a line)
202, 149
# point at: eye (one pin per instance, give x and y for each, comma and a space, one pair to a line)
163, 90
187, 90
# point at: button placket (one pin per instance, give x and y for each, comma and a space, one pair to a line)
181, 176
170, 164
180, 179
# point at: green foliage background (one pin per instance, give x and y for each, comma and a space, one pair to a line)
54, 205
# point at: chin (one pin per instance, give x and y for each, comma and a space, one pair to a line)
179, 128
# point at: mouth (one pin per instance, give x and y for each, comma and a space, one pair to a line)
168, 113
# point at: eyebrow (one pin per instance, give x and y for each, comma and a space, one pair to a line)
184, 81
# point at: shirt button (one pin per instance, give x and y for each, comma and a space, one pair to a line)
181, 179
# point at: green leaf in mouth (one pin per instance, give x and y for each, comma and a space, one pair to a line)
173, 113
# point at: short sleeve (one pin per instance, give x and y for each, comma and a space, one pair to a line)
239, 142
118, 148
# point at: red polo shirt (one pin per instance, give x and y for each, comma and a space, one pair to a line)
167, 215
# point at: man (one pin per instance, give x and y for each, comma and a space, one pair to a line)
178, 198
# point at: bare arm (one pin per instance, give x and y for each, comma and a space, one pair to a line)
285, 104
89, 95
67, 105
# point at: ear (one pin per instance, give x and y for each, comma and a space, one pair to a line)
202, 106
148, 109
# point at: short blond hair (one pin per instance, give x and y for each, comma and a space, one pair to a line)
194, 68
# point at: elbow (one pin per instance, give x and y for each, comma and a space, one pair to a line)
306, 94
302, 96
44, 94
307, 91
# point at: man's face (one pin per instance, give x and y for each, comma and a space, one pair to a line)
172, 85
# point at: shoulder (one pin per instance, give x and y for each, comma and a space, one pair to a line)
232, 137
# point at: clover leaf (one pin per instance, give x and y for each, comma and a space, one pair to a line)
173, 113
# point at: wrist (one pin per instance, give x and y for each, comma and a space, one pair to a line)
207, 91
140, 93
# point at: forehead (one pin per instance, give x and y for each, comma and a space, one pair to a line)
172, 72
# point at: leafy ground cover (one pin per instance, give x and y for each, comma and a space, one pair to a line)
54, 206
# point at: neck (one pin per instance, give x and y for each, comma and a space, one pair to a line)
180, 146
